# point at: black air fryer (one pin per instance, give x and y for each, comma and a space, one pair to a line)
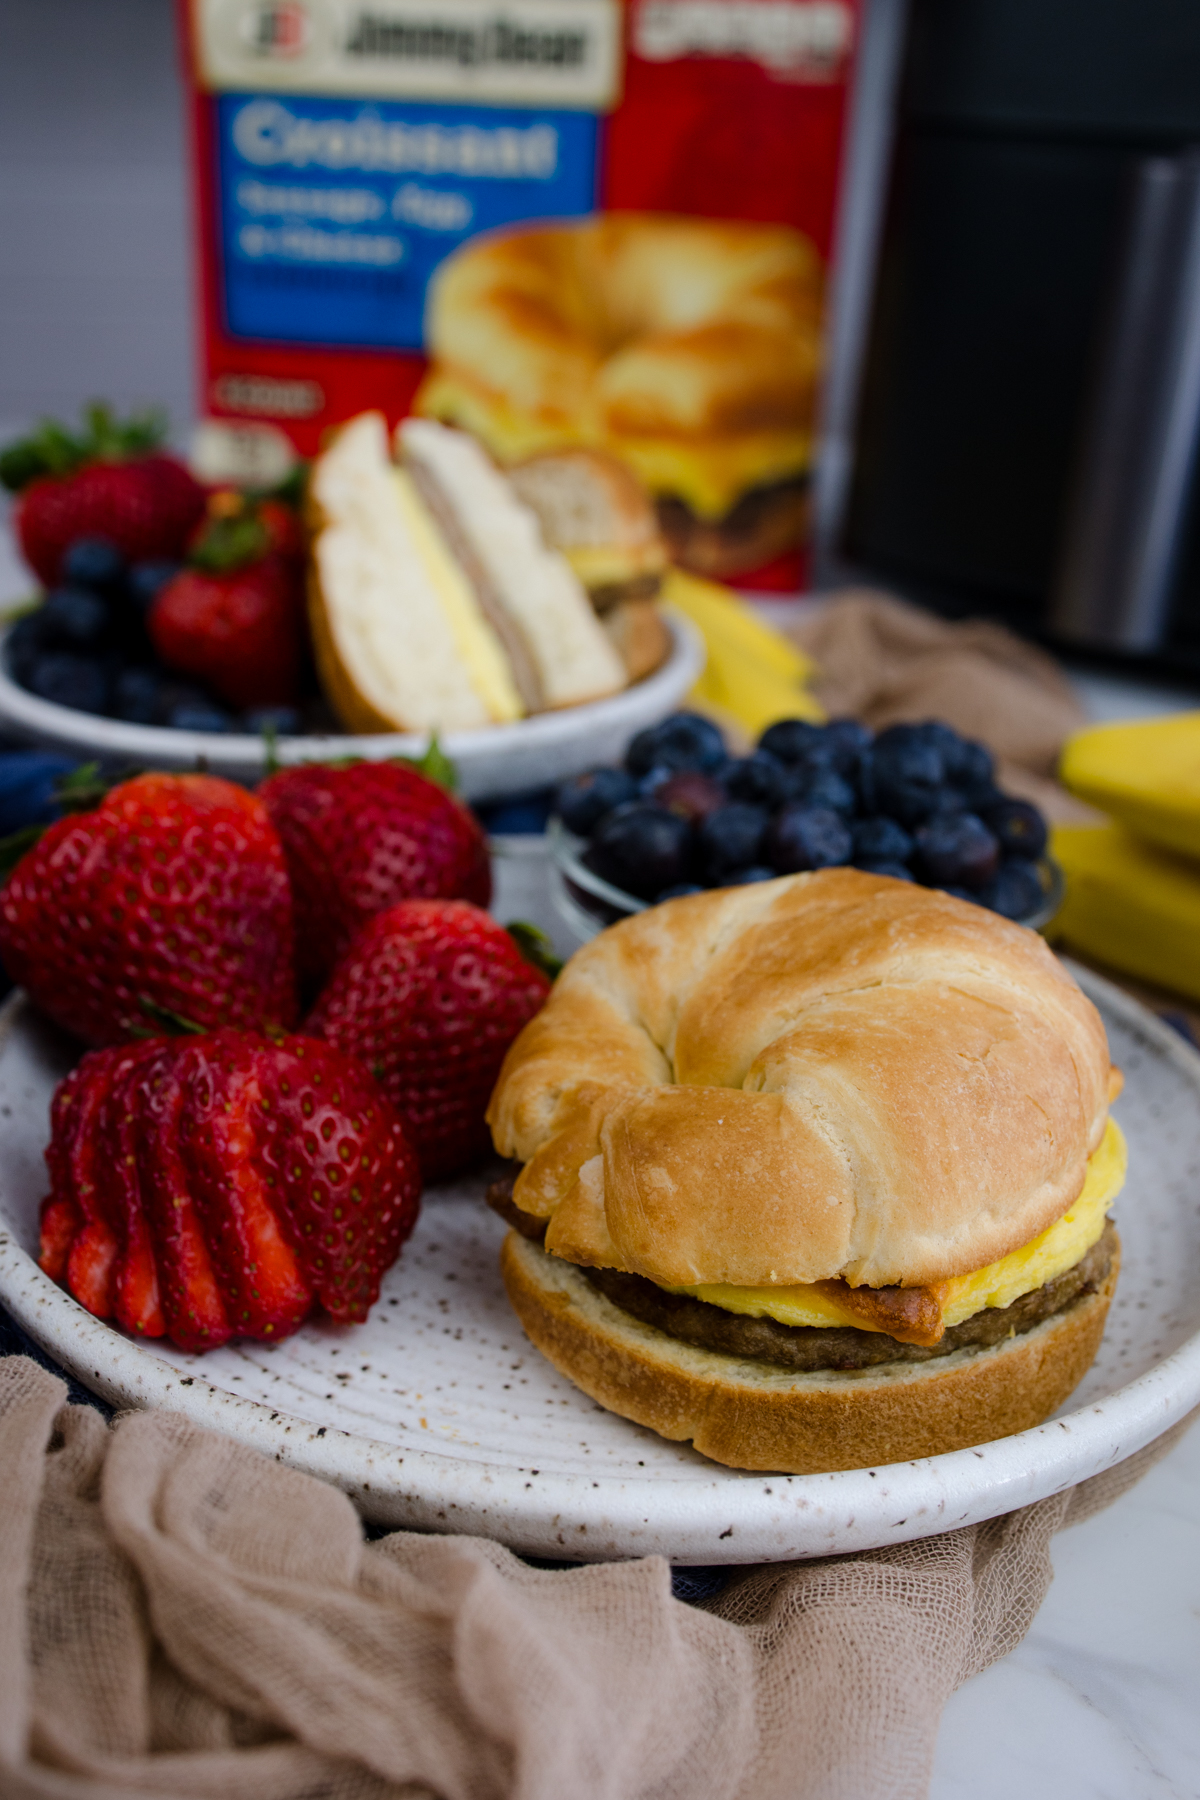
1029, 395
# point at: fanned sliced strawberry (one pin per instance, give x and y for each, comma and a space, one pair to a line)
351, 1188
75, 1122
136, 1302
194, 1314
218, 1185
264, 1289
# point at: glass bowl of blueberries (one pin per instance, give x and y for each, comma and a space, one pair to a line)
918, 802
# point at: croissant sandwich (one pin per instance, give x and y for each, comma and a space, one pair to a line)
815, 1173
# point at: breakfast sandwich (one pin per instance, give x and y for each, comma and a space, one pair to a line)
815, 1173
435, 601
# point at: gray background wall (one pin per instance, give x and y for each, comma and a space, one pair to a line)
95, 294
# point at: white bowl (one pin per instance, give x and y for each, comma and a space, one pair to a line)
492, 762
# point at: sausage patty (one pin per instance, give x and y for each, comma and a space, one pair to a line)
806, 1347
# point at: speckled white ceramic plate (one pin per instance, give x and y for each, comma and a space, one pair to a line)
492, 762
438, 1414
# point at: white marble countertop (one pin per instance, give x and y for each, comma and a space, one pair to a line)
1102, 1699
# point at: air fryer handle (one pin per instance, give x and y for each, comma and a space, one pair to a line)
1141, 425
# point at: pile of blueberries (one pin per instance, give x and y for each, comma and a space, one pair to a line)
86, 646
917, 802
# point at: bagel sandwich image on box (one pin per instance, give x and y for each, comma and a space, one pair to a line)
688, 348
434, 599
815, 1173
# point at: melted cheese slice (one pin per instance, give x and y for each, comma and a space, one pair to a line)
1034, 1264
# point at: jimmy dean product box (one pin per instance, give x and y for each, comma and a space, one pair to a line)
555, 222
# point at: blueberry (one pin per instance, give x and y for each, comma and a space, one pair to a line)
962, 893
649, 783
849, 739
969, 764
28, 783
642, 849
1019, 827
941, 737
682, 741
173, 693
284, 721
73, 618
1016, 891
137, 696
24, 644
865, 784
93, 562
199, 718
757, 779
881, 840
908, 772
956, 850
146, 581
729, 840
582, 802
790, 739
981, 798
756, 872
819, 784
516, 817
680, 891
691, 794
881, 866
803, 837
75, 681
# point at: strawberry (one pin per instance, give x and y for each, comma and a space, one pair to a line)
216, 1186
429, 996
362, 836
171, 896
235, 616
108, 481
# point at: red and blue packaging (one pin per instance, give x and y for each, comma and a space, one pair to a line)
344, 149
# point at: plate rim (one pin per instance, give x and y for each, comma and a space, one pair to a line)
807, 1515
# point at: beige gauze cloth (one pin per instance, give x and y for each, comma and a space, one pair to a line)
887, 662
180, 1616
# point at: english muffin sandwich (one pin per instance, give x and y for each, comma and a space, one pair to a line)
816, 1173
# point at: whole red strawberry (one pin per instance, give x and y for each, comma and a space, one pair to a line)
361, 837
235, 616
110, 481
220, 1186
171, 896
429, 996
